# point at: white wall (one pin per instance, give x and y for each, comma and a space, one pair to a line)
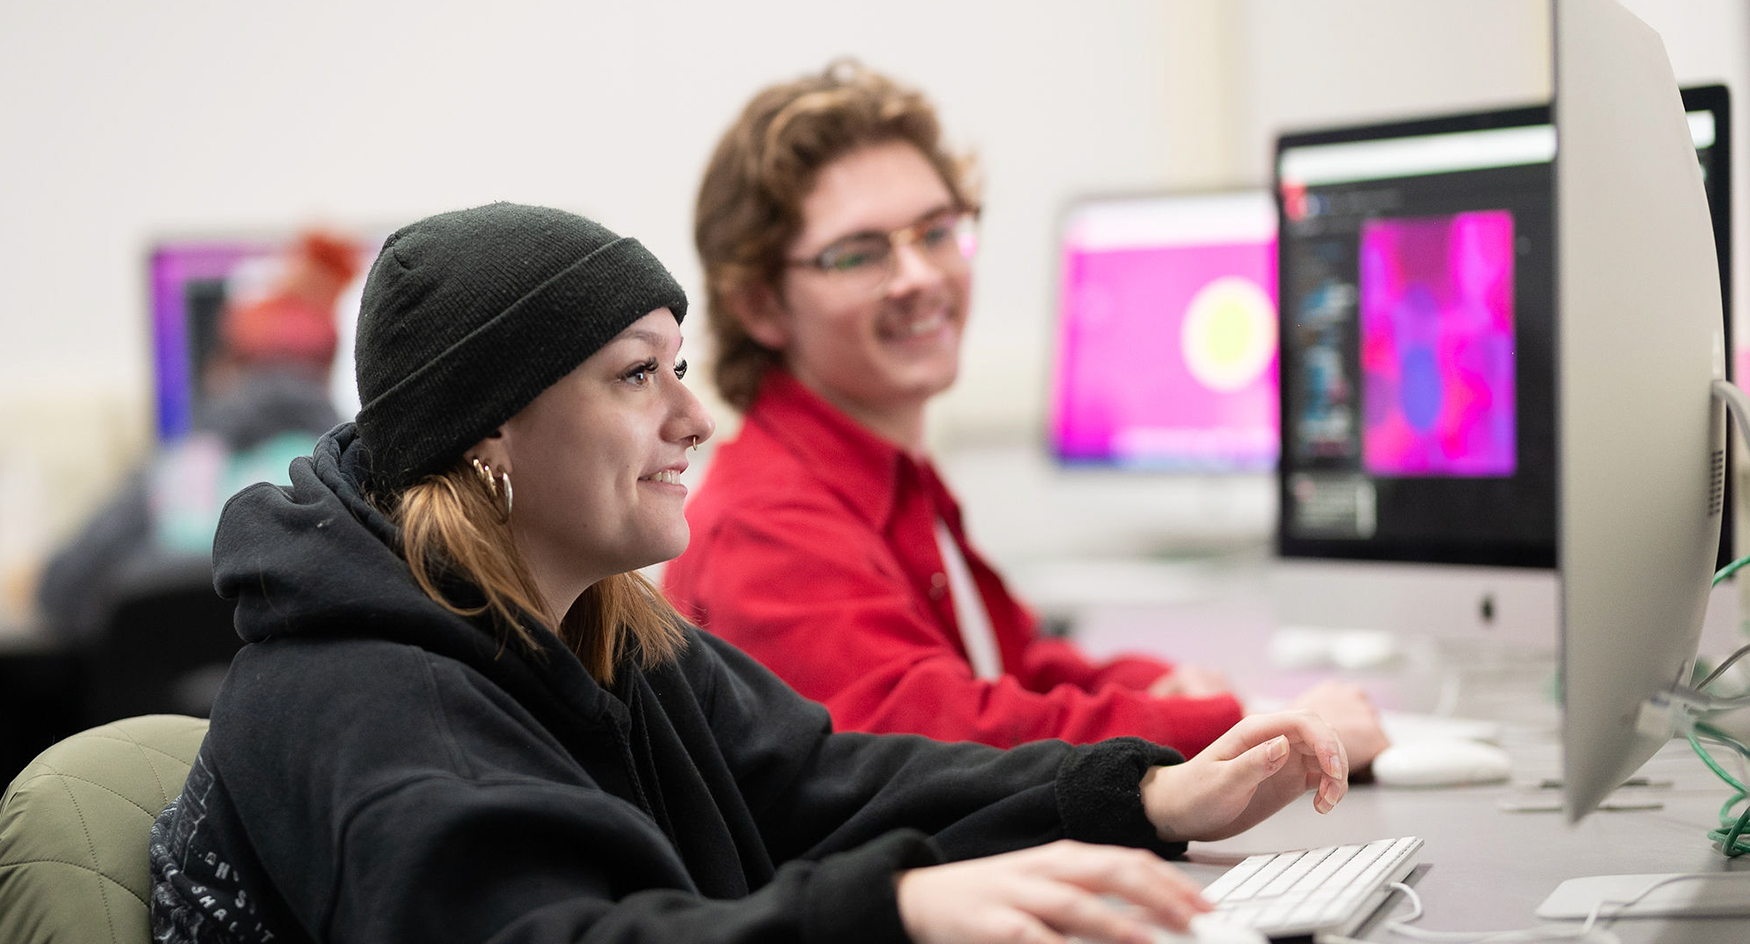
126, 121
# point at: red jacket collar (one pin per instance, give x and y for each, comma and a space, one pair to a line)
861, 467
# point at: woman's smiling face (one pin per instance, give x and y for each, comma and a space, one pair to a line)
597, 457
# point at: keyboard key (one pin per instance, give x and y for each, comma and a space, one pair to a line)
1332, 888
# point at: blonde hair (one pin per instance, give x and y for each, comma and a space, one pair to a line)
750, 203
453, 527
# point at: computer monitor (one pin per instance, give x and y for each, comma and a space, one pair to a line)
1640, 345
190, 281
1417, 262
1166, 333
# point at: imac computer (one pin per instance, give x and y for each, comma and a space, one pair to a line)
1418, 476
1166, 334
1641, 387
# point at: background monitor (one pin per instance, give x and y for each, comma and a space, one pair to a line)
190, 282
1417, 265
1639, 342
1166, 333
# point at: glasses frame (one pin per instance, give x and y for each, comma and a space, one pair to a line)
963, 231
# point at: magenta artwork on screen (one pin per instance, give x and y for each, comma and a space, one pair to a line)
1437, 350
1167, 356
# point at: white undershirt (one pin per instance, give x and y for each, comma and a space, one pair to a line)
975, 629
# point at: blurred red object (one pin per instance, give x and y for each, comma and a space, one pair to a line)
294, 323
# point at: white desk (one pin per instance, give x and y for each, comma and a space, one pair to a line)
1486, 869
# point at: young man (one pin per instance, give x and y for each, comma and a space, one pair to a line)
836, 232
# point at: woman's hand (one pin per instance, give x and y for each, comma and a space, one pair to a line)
1259, 766
1046, 893
1193, 681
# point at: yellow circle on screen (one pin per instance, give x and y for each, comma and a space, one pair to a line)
1229, 333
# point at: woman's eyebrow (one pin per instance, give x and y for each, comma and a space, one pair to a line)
639, 334
652, 338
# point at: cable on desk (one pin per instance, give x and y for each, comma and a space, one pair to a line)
1590, 930
1730, 837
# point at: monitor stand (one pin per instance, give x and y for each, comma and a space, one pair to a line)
1671, 895
1661, 895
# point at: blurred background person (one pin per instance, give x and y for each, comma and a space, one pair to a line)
836, 232
266, 401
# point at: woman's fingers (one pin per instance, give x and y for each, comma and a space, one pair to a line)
1305, 736
1308, 734
1102, 893
1071, 910
1134, 875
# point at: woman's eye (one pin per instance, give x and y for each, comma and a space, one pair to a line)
640, 375
680, 370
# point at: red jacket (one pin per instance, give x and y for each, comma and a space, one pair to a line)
813, 549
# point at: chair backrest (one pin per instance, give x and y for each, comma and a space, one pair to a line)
164, 647
74, 826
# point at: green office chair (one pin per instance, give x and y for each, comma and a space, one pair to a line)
73, 830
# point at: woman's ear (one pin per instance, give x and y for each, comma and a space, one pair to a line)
762, 316
492, 451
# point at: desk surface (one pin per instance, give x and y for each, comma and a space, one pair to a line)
1487, 869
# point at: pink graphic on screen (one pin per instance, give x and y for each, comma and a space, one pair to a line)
1167, 357
1437, 353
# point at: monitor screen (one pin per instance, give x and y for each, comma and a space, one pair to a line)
1166, 348
1417, 264
191, 281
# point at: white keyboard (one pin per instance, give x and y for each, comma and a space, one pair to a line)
1334, 888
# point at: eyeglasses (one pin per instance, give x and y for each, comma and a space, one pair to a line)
866, 262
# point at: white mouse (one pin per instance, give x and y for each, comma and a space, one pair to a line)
1440, 762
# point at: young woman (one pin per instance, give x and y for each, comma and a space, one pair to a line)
461, 717
836, 232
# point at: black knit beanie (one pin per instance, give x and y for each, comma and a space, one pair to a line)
468, 316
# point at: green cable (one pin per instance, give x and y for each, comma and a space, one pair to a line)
1730, 569
1719, 734
1730, 833
1714, 765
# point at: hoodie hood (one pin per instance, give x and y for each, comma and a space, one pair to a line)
317, 560
307, 557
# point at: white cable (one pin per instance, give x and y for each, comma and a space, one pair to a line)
1586, 931
1720, 669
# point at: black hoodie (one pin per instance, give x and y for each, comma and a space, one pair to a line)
380, 769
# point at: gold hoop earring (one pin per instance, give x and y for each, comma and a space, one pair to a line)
484, 472
490, 479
